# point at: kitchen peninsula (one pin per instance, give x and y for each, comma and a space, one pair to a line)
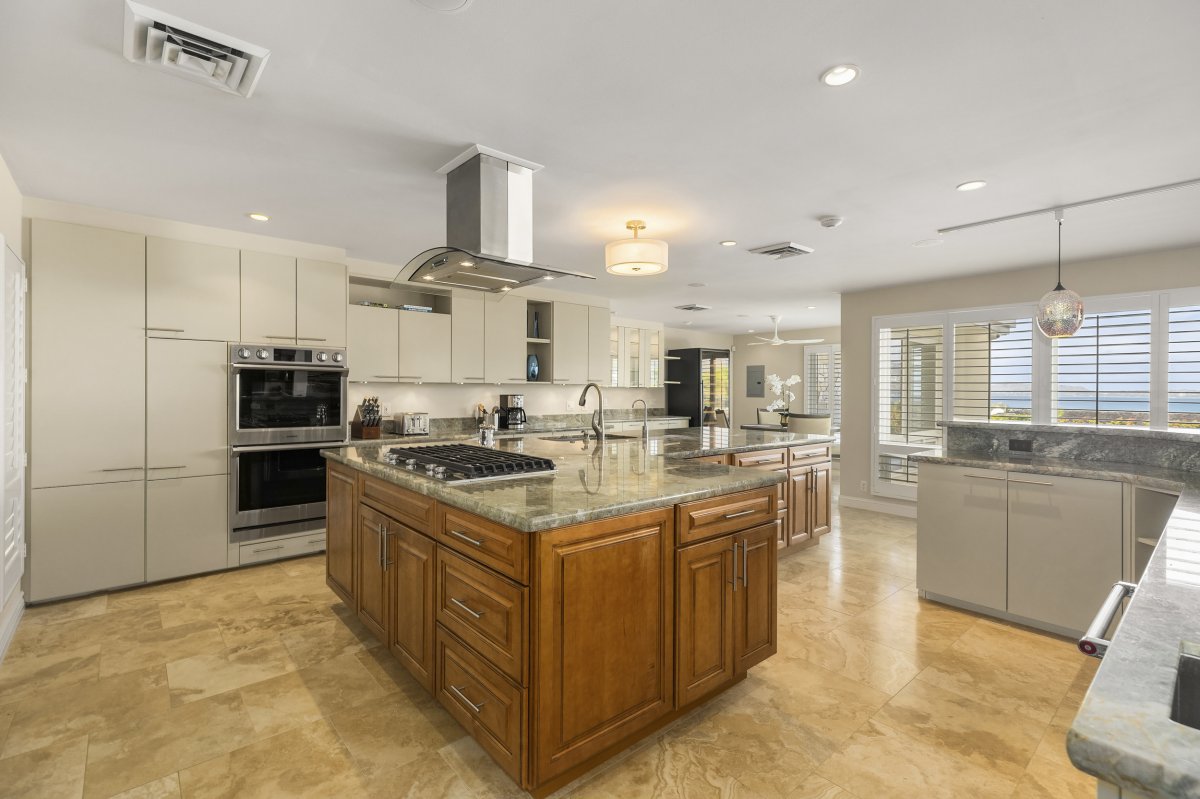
559, 617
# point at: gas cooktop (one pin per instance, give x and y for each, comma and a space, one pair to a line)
464, 463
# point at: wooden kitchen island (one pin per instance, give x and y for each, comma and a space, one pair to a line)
560, 618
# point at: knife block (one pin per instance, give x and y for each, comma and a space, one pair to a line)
358, 431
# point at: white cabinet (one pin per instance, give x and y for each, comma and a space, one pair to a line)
268, 298
86, 538
186, 408
466, 338
12, 425
321, 303
186, 526
504, 340
599, 368
191, 290
962, 534
88, 380
373, 339
424, 347
1064, 546
635, 354
569, 358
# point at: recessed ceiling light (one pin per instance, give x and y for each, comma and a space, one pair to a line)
749, 331
971, 185
812, 307
840, 75
257, 217
505, 288
929, 243
729, 243
466, 263
697, 285
547, 277
427, 277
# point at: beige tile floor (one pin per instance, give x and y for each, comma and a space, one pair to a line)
258, 683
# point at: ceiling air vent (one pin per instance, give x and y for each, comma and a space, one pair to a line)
788, 249
192, 51
694, 307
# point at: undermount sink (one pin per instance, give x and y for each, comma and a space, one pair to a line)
1186, 707
576, 438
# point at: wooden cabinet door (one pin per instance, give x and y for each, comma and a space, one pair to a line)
704, 623
371, 583
191, 290
88, 311
374, 337
754, 598
268, 298
412, 611
187, 391
962, 534
800, 504
187, 526
341, 515
504, 340
569, 348
1064, 546
604, 604
321, 303
466, 338
599, 367
423, 348
821, 515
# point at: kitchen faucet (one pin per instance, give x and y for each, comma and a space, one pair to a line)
597, 415
645, 417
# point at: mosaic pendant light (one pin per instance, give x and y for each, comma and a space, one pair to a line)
1060, 312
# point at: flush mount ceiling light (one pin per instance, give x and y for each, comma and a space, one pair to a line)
1060, 312
635, 257
257, 217
840, 75
971, 185
728, 243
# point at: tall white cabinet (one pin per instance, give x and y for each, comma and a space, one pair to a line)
12, 456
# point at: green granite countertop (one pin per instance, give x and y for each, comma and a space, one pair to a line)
592, 482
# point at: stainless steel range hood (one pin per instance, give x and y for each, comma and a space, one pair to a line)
489, 228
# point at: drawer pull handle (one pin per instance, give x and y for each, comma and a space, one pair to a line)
265, 549
283, 338
476, 613
476, 542
167, 329
985, 477
458, 692
1093, 642
152, 468
124, 469
739, 513
1032, 482
310, 338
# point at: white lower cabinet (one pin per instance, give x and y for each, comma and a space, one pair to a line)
277, 548
187, 526
87, 538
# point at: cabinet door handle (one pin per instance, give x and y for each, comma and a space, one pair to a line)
461, 535
152, 468
458, 692
472, 378
283, 338
739, 513
166, 329
265, 549
310, 338
745, 557
124, 469
734, 580
386, 377
384, 535
475, 613
410, 377
984, 477
1031, 482
519, 379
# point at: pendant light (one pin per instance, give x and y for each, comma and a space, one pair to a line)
635, 257
1060, 312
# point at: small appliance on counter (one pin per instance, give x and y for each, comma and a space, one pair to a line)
411, 423
512, 412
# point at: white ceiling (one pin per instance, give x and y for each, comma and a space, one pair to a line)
703, 117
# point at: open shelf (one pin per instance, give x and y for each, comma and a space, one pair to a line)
381, 293
537, 340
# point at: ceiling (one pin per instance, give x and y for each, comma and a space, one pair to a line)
705, 118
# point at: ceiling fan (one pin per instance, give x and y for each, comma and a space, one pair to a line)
775, 341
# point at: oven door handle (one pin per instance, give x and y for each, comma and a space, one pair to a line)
272, 447
287, 366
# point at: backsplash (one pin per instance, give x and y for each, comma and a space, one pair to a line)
1165, 448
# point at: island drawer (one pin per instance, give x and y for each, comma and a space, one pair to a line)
494, 545
805, 456
483, 609
762, 459
415, 510
729, 513
723, 460
487, 705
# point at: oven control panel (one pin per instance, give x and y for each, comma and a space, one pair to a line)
326, 358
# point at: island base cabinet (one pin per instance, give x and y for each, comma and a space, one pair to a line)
412, 609
341, 512
754, 623
371, 583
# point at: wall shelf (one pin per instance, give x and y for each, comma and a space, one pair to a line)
537, 340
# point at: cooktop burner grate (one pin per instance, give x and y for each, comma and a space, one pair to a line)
473, 463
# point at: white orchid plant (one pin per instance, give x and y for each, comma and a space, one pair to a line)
781, 388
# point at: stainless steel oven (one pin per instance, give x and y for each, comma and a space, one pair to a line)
286, 395
275, 490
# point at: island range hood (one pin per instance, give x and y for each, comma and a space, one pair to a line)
489, 228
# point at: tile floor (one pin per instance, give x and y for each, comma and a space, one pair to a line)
258, 683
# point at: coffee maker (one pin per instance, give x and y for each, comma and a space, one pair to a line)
512, 412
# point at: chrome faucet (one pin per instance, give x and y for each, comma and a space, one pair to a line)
645, 417
597, 415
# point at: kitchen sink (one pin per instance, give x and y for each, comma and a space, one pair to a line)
1185, 708
576, 438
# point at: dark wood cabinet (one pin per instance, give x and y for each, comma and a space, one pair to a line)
341, 510
799, 505
370, 574
412, 597
756, 578
822, 499
704, 630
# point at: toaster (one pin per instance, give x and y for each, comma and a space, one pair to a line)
410, 423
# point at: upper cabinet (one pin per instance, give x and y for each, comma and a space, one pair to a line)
374, 344
321, 303
424, 347
636, 353
505, 340
466, 338
191, 290
598, 370
569, 345
289, 300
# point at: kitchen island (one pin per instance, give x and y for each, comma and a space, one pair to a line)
560, 617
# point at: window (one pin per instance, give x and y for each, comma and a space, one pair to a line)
1102, 374
993, 370
909, 403
823, 381
1183, 367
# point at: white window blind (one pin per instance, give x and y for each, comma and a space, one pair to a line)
909, 400
1183, 367
993, 370
1102, 374
823, 382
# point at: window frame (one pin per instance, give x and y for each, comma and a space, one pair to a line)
833, 351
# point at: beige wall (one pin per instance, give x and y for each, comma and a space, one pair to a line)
1128, 274
683, 338
10, 209
785, 360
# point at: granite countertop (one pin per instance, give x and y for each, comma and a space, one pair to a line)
1123, 732
528, 430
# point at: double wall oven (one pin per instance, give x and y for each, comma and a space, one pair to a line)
285, 404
